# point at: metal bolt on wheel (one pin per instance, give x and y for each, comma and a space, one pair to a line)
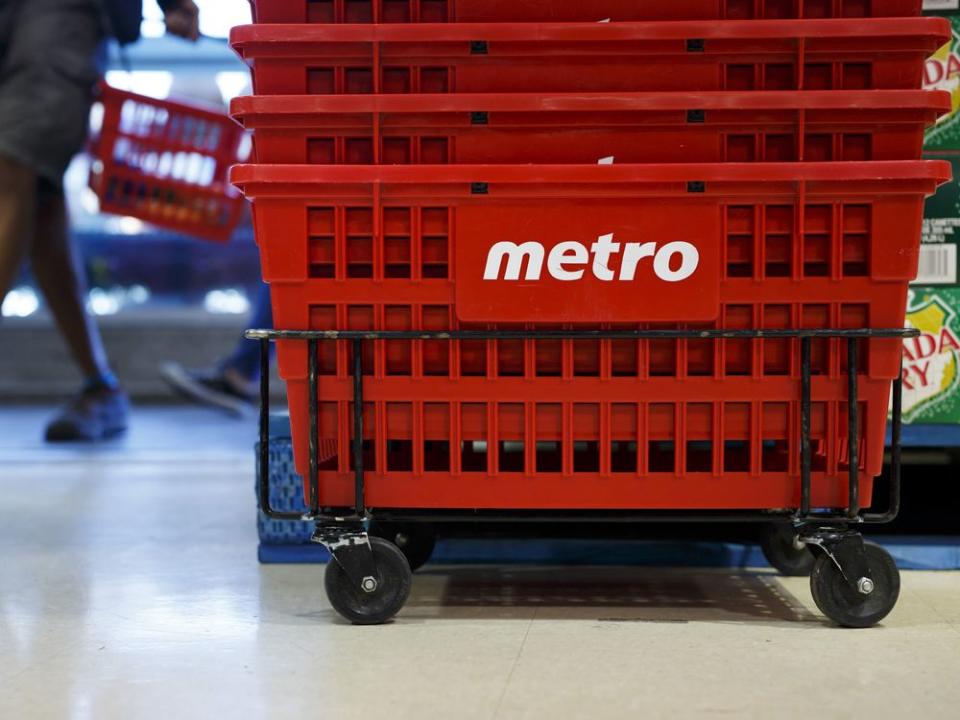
864, 603
372, 600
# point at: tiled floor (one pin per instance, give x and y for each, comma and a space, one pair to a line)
129, 589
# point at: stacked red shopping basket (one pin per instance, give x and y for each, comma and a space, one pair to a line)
435, 165
463, 11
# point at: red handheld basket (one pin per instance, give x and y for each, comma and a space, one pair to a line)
871, 54
588, 127
167, 163
433, 11
595, 424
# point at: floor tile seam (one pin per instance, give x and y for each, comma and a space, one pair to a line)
513, 667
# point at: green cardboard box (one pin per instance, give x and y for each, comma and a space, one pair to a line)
941, 225
931, 362
942, 72
939, 257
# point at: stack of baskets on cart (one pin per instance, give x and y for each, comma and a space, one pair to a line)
592, 260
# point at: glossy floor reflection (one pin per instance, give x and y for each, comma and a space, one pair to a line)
129, 589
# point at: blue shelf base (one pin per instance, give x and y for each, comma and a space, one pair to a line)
911, 553
932, 436
304, 553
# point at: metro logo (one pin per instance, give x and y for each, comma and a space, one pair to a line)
599, 261
671, 262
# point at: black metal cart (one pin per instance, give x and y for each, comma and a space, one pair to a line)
853, 582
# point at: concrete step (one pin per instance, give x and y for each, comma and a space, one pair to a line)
35, 363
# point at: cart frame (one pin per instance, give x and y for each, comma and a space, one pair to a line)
344, 531
804, 514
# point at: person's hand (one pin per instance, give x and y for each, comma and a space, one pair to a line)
182, 18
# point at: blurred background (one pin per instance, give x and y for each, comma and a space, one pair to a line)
158, 295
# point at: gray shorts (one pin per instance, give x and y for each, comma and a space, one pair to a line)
48, 69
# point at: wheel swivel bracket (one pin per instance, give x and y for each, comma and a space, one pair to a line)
846, 549
349, 546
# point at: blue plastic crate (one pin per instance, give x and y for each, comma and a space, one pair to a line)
286, 490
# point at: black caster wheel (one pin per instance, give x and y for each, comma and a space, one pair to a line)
784, 552
848, 606
390, 587
415, 540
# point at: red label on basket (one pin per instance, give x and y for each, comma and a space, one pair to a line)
637, 261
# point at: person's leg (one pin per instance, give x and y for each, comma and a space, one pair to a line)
18, 198
100, 409
48, 68
60, 275
230, 385
33, 223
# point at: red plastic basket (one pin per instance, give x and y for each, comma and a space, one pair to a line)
166, 163
605, 424
884, 53
585, 128
404, 11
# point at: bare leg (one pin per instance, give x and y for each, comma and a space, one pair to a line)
100, 410
18, 207
33, 223
60, 275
